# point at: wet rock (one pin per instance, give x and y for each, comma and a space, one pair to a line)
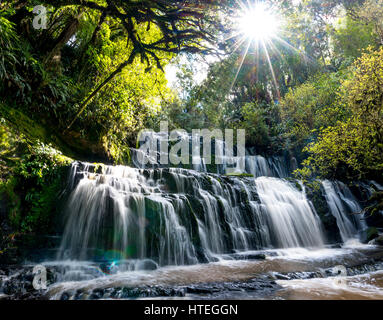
97, 294
65, 296
296, 275
361, 269
17, 283
213, 290
377, 241
147, 265
372, 233
280, 276
250, 256
142, 292
201, 289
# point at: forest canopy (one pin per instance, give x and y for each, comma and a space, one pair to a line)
95, 73
95, 76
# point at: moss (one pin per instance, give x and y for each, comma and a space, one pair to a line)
42, 205
70, 143
99, 168
372, 233
7, 190
33, 187
23, 123
242, 175
212, 167
298, 186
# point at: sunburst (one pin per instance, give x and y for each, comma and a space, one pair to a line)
257, 26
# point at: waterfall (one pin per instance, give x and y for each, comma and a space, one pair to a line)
344, 207
197, 161
293, 221
259, 166
176, 216
256, 165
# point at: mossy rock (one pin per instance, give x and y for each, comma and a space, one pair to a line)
240, 175
372, 233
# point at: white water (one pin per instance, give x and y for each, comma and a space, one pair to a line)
156, 226
225, 160
293, 221
177, 216
346, 210
86, 277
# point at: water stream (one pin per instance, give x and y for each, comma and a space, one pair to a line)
173, 232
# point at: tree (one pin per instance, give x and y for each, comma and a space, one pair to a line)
354, 148
371, 12
349, 38
73, 66
312, 106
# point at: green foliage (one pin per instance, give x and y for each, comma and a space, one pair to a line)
241, 175
262, 124
121, 109
7, 191
40, 163
88, 59
354, 148
371, 13
34, 187
349, 38
312, 106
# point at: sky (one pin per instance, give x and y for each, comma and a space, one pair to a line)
200, 65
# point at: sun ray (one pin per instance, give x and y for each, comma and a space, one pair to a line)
271, 70
303, 54
258, 23
240, 66
234, 35
275, 49
241, 4
236, 45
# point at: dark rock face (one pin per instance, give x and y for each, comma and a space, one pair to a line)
375, 219
377, 241
316, 195
7, 253
3, 207
372, 199
248, 256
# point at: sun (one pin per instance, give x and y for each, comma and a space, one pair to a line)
258, 29
258, 23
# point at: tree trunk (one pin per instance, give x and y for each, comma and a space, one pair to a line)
53, 58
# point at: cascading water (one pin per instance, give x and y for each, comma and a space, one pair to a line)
256, 165
259, 166
177, 216
345, 208
132, 233
293, 221
107, 214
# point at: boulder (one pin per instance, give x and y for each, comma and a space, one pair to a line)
377, 241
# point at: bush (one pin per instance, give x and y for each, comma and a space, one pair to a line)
33, 189
354, 148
